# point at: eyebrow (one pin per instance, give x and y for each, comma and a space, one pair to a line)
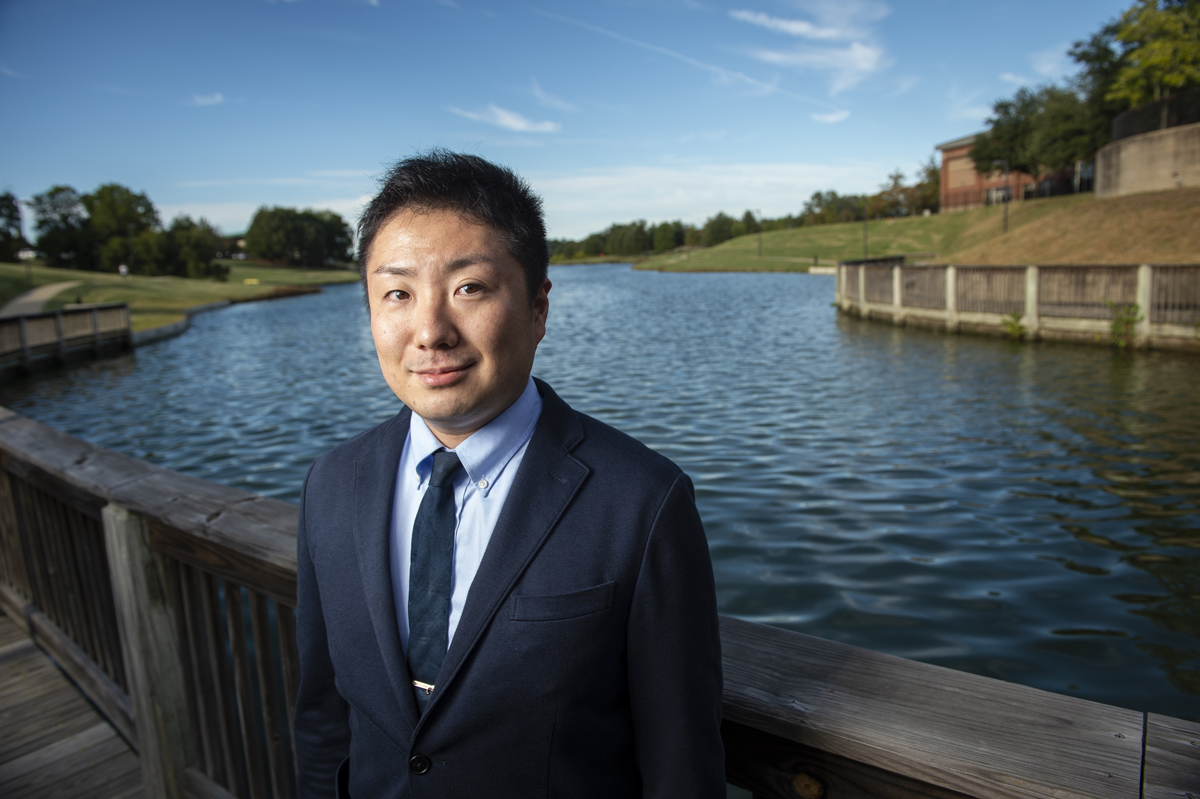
456, 264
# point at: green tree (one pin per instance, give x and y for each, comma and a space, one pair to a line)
1064, 131
1010, 137
664, 237
11, 237
1100, 62
114, 210
928, 191
1162, 48
750, 222
717, 229
299, 238
63, 233
190, 248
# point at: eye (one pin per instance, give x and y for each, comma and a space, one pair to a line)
396, 295
470, 288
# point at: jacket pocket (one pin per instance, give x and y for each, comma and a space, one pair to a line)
551, 607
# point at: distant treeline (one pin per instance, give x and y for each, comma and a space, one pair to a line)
894, 199
114, 226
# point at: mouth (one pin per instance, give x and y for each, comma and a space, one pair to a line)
438, 376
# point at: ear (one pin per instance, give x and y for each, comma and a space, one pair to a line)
541, 308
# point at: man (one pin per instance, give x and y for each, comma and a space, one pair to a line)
497, 596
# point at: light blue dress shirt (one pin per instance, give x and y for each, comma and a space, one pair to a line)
490, 457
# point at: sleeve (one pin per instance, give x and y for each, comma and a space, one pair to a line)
322, 729
674, 657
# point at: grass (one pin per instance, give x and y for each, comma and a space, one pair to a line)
1160, 227
155, 301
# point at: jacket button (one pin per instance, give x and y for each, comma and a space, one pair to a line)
418, 764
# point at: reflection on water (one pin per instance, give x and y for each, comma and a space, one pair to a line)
1028, 512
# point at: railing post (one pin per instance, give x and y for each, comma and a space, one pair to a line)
151, 644
1032, 298
951, 299
897, 313
62, 339
26, 356
863, 309
837, 286
96, 331
1145, 301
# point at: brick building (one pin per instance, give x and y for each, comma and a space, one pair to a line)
963, 187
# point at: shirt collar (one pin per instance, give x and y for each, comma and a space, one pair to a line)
486, 452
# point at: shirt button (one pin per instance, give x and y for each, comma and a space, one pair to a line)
418, 764
482, 484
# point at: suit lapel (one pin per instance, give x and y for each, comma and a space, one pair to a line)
545, 484
374, 492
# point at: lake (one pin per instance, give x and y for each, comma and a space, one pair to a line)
1029, 512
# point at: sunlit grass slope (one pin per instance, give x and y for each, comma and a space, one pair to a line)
155, 301
1162, 227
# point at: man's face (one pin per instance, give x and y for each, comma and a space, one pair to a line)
452, 320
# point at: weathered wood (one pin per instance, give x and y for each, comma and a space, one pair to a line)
202, 698
1172, 769
141, 587
956, 731
197, 786
226, 713
52, 742
251, 742
94, 683
776, 768
269, 696
213, 555
285, 618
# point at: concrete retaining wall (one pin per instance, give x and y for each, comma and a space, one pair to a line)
1161, 159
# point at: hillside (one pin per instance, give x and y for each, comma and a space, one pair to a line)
1162, 227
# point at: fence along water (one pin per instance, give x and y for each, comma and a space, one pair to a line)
32, 340
1154, 306
169, 600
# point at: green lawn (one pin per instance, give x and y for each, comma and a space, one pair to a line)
155, 301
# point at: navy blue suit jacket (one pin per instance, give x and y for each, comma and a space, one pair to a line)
586, 662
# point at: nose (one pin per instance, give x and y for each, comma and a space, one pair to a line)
435, 327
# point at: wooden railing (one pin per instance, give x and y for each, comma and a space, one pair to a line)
1077, 303
193, 586
31, 340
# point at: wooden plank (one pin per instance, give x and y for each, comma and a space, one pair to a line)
289, 654
94, 683
269, 696
146, 616
957, 731
216, 556
1172, 767
235, 627
15, 608
223, 708
774, 768
197, 786
204, 698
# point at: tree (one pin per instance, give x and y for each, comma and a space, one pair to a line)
664, 237
750, 222
299, 238
717, 229
11, 237
1064, 132
1010, 137
928, 191
64, 235
1162, 47
115, 210
190, 248
1100, 63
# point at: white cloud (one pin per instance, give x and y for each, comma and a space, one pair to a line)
849, 64
964, 106
904, 84
581, 203
720, 75
1053, 62
792, 27
509, 120
549, 100
216, 98
1016, 80
832, 117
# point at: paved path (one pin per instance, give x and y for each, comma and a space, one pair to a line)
32, 301
52, 742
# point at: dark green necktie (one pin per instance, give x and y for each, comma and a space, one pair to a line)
430, 573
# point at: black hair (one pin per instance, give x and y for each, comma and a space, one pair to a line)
441, 180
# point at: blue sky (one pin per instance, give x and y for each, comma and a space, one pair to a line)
654, 109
